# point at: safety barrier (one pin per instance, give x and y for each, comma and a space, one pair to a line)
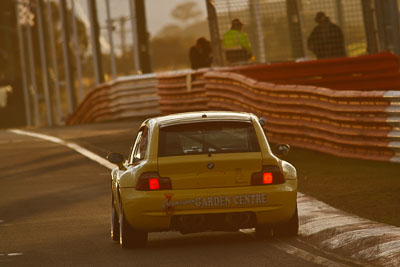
182, 91
132, 96
362, 124
351, 124
366, 73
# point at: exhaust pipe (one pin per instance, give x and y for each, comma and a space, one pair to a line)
238, 220
192, 223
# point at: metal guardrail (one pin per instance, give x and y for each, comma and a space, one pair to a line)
182, 91
362, 124
362, 73
349, 123
125, 97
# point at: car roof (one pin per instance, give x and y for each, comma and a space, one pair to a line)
198, 116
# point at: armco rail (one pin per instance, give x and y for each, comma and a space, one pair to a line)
343, 123
132, 96
182, 91
362, 124
366, 73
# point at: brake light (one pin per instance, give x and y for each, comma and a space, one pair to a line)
267, 178
154, 184
270, 174
149, 181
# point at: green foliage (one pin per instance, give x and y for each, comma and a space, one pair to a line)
186, 12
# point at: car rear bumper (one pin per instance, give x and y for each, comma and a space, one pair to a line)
153, 211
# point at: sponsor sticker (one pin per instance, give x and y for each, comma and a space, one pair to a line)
214, 201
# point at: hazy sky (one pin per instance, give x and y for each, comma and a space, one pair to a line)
158, 11
158, 14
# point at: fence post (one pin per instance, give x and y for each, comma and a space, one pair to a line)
135, 47
94, 26
54, 62
214, 33
23, 65
391, 9
339, 12
71, 99
33, 76
256, 16
388, 25
295, 21
110, 39
44, 64
77, 51
370, 26
143, 37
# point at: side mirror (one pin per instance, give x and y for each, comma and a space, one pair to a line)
282, 150
262, 121
117, 159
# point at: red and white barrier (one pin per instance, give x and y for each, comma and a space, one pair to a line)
363, 122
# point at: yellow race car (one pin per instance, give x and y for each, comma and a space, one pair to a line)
202, 171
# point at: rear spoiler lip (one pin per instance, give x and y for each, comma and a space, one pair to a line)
163, 125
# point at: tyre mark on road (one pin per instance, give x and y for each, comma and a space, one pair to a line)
297, 252
306, 255
358, 238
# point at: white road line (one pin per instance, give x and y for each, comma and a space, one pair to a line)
71, 145
15, 254
315, 217
282, 246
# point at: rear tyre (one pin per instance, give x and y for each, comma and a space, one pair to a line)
289, 228
128, 236
114, 222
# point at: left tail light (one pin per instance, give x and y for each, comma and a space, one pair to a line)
150, 181
270, 174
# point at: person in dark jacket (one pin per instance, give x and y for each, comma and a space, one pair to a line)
200, 54
326, 40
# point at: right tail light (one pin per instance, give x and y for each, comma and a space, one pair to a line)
271, 174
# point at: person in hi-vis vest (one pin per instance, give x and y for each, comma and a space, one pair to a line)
236, 45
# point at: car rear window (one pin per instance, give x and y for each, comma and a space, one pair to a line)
206, 138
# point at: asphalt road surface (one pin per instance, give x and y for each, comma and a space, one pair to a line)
55, 205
